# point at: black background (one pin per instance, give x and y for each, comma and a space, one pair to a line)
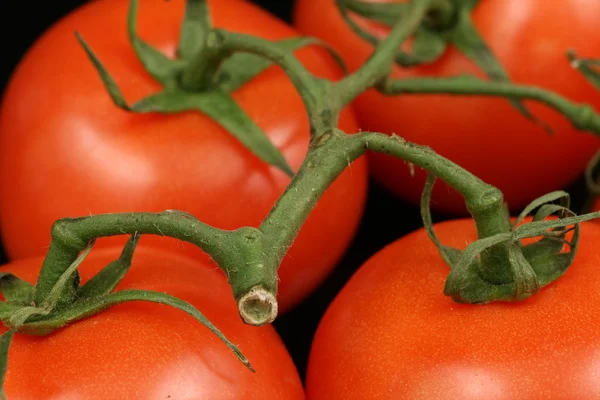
386, 218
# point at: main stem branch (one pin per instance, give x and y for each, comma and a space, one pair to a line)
332, 152
238, 253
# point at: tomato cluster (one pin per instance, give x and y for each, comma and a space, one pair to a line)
66, 150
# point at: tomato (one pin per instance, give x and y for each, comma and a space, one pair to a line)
66, 150
143, 350
486, 136
391, 333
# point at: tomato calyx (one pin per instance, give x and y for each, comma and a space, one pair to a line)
68, 302
201, 78
498, 266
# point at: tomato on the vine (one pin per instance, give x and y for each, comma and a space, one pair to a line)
66, 150
391, 332
486, 136
142, 350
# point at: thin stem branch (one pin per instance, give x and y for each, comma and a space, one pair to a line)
582, 116
380, 64
311, 89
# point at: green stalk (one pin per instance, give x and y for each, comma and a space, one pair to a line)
582, 116
238, 253
380, 64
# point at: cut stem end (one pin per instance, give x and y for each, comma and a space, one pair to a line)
258, 306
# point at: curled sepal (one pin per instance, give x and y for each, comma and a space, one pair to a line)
5, 341
465, 37
15, 289
464, 285
221, 108
525, 279
450, 255
427, 46
90, 306
156, 63
532, 266
105, 281
588, 67
546, 199
240, 68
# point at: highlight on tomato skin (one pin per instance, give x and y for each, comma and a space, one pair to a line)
486, 136
146, 351
392, 332
91, 157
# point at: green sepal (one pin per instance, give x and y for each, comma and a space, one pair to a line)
533, 266
109, 83
196, 25
465, 37
240, 68
8, 308
5, 341
221, 108
91, 306
64, 291
450, 255
427, 47
525, 279
105, 281
163, 69
216, 104
588, 67
15, 289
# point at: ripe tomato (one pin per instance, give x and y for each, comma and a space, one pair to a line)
66, 150
486, 136
391, 333
142, 350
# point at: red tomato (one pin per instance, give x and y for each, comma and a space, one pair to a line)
486, 136
142, 350
391, 333
66, 150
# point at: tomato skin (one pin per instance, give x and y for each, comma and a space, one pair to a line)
67, 151
142, 350
392, 334
486, 136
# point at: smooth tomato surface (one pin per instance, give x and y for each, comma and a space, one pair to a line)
142, 350
66, 150
485, 136
392, 334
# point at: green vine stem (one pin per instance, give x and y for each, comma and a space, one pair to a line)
583, 116
250, 256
